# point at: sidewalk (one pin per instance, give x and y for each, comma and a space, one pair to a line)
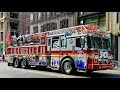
1, 60
116, 66
117, 69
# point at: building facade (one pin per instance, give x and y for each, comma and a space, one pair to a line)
112, 25
24, 23
8, 21
1, 32
97, 18
47, 21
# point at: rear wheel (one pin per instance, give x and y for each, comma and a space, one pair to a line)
9, 64
16, 63
67, 66
24, 64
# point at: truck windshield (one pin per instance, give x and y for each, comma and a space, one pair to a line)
106, 43
94, 42
98, 42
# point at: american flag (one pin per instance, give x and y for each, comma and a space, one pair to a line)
8, 37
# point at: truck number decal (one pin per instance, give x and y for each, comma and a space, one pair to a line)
103, 55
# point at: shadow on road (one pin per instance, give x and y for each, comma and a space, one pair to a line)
81, 73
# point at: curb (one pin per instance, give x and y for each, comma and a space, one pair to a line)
117, 69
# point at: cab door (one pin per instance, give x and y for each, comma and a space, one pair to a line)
81, 52
55, 50
48, 53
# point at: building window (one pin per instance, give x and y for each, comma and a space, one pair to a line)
39, 16
87, 21
35, 29
54, 13
1, 25
49, 27
42, 28
102, 26
1, 14
81, 13
42, 15
53, 26
48, 14
14, 25
14, 15
64, 23
92, 20
31, 17
117, 17
57, 13
102, 23
12, 33
36, 16
1, 36
99, 20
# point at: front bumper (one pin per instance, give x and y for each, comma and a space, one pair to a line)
10, 64
103, 66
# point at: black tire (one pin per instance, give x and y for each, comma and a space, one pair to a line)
16, 63
67, 66
9, 64
24, 64
88, 71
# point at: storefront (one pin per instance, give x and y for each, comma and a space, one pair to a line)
96, 18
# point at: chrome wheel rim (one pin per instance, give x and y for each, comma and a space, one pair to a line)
67, 67
23, 64
16, 63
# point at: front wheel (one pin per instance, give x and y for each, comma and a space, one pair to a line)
88, 71
67, 66
16, 63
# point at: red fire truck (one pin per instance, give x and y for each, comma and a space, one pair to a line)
80, 47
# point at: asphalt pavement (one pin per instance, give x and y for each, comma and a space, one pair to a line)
11, 72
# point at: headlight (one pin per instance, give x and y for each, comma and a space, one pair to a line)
96, 57
110, 57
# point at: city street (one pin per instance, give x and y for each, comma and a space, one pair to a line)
10, 72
